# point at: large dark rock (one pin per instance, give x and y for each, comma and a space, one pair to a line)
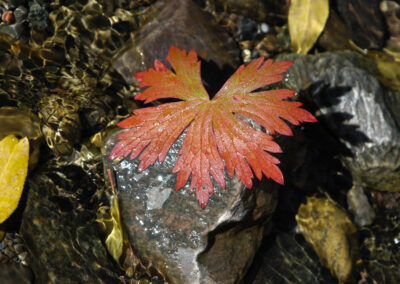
186, 244
60, 230
288, 258
350, 104
183, 24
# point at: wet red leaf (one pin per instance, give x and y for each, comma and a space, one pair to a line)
215, 134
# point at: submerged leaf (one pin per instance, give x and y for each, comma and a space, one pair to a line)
115, 240
389, 72
331, 233
215, 134
110, 220
307, 19
14, 157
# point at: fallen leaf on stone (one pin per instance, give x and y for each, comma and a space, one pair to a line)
331, 233
306, 19
215, 133
14, 157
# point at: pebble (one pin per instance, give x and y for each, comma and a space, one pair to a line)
363, 213
8, 17
19, 248
8, 252
12, 249
3, 258
23, 255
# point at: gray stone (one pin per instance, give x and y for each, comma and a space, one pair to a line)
170, 231
183, 24
350, 104
363, 213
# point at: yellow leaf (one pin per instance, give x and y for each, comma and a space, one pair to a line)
390, 71
14, 159
111, 223
307, 19
331, 233
6, 147
387, 64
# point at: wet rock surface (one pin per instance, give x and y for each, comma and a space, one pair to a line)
186, 25
169, 231
351, 103
60, 230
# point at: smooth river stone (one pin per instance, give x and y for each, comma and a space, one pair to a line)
169, 231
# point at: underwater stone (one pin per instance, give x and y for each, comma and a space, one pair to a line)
183, 24
38, 15
14, 30
359, 205
185, 243
60, 230
365, 22
289, 259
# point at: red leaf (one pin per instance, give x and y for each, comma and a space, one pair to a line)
215, 134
